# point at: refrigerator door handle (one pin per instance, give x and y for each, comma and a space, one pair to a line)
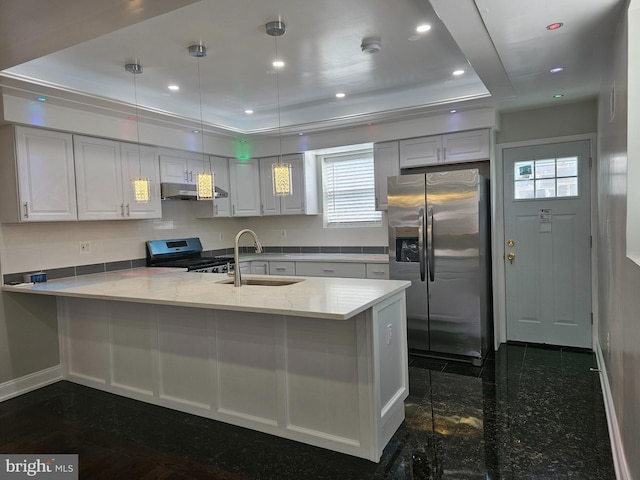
430, 249
421, 258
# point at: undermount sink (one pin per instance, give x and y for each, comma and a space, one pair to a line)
265, 281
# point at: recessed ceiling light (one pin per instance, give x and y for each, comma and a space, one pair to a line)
340, 95
278, 63
558, 95
453, 110
425, 27
131, 117
458, 72
555, 26
300, 134
556, 69
195, 131
173, 88
248, 111
41, 99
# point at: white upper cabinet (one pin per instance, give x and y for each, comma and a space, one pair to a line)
140, 161
450, 148
466, 146
182, 167
104, 173
221, 206
304, 197
418, 152
37, 180
386, 160
244, 179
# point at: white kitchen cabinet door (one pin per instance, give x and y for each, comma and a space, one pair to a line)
259, 268
182, 167
420, 152
219, 207
46, 186
466, 146
386, 163
140, 161
244, 176
98, 179
269, 202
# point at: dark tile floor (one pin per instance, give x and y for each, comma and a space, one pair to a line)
528, 413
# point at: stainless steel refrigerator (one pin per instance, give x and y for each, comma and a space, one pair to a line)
439, 240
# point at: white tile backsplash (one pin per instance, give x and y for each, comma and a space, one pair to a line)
31, 247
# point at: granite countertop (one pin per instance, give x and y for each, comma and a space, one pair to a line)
318, 297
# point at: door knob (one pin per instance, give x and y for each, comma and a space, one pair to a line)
511, 256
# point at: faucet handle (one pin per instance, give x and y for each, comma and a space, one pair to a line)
229, 271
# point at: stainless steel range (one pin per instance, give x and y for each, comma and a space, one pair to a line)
185, 253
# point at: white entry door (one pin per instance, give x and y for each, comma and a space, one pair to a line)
548, 244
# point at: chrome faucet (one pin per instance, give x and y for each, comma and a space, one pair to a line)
237, 278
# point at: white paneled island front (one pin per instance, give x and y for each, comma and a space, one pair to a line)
321, 361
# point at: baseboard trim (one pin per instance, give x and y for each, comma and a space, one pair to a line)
30, 382
617, 447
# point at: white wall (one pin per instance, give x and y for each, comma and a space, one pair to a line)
618, 276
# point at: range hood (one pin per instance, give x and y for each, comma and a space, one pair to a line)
184, 191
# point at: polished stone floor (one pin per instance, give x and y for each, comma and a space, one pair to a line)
527, 413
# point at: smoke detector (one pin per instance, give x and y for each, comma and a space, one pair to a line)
371, 45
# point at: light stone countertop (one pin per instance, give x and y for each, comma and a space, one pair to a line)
318, 297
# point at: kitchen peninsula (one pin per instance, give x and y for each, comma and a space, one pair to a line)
319, 360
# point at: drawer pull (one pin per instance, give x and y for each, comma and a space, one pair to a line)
327, 270
280, 269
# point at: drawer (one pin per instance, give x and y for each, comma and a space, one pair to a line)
282, 268
378, 270
331, 269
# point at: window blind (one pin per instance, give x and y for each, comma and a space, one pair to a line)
349, 190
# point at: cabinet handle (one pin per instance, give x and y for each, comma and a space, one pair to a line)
128, 211
233, 210
261, 209
280, 269
327, 270
186, 176
191, 176
444, 157
26, 209
215, 209
438, 159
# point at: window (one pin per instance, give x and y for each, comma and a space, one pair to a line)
548, 178
349, 190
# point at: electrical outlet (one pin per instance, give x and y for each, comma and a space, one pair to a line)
85, 247
283, 234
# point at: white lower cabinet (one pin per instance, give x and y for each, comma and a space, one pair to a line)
245, 267
331, 269
378, 270
37, 175
259, 268
282, 268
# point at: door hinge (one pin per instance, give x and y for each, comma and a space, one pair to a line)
591, 318
590, 162
590, 241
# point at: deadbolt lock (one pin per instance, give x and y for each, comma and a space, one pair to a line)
510, 243
511, 256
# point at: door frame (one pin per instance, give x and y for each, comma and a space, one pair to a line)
498, 260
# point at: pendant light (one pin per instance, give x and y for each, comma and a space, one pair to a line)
281, 172
141, 185
204, 184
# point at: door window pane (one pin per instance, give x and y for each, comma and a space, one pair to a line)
545, 168
546, 178
568, 167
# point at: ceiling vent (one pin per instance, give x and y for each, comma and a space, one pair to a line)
371, 45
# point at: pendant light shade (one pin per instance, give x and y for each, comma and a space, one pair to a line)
141, 185
282, 175
204, 179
